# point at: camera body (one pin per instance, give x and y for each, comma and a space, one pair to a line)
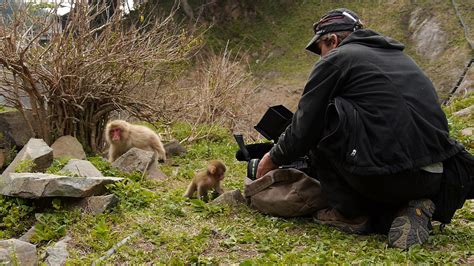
273, 123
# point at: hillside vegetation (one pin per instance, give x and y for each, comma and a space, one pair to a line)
277, 34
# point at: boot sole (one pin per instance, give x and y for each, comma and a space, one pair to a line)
413, 226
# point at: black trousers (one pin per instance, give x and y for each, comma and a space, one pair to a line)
379, 196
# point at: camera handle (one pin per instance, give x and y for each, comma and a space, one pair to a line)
240, 141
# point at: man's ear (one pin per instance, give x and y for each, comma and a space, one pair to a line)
334, 40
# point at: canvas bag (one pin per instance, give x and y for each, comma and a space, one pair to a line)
285, 193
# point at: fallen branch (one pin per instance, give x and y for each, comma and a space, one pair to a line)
115, 247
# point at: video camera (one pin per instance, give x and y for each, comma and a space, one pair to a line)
273, 123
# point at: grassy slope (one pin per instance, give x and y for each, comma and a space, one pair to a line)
277, 37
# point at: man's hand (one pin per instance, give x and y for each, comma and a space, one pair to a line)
265, 165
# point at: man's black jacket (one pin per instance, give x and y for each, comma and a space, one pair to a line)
370, 109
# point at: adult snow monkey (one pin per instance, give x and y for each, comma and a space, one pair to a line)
122, 136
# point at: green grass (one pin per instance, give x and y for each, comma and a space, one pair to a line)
175, 230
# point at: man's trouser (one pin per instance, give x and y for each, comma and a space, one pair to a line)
377, 196
382, 195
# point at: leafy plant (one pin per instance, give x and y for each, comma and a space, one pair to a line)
25, 166
15, 214
57, 165
132, 194
101, 230
205, 209
52, 226
104, 166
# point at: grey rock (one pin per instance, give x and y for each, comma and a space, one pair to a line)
57, 254
38, 185
465, 112
134, 160
26, 237
2, 157
68, 146
155, 173
430, 39
96, 204
15, 129
174, 148
80, 168
232, 198
139, 160
36, 150
17, 252
467, 131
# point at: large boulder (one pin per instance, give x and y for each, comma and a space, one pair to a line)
68, 146
134, 160
429, 37
139, 160
17, 252
39, 185
35, 150
80, 168
14, 129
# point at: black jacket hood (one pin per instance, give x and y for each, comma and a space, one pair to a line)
372, 39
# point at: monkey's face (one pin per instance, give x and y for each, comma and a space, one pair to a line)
220, 173
115, 134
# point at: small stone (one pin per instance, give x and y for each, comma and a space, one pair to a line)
57, 254
464, 112
174, 148
467, 131
232, 198
155, 173
96, 204
2, 157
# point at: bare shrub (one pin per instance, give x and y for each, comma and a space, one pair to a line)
73, 75
216, 93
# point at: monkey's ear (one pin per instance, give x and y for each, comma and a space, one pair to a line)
211, 169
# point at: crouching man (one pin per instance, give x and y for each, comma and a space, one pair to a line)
379, 143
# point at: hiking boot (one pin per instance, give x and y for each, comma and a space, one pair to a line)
412, 225
331, 217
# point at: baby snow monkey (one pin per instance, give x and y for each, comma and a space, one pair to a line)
208, 179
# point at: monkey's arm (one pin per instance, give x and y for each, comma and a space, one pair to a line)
112, 154
202, 192
219, 189
159, 149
